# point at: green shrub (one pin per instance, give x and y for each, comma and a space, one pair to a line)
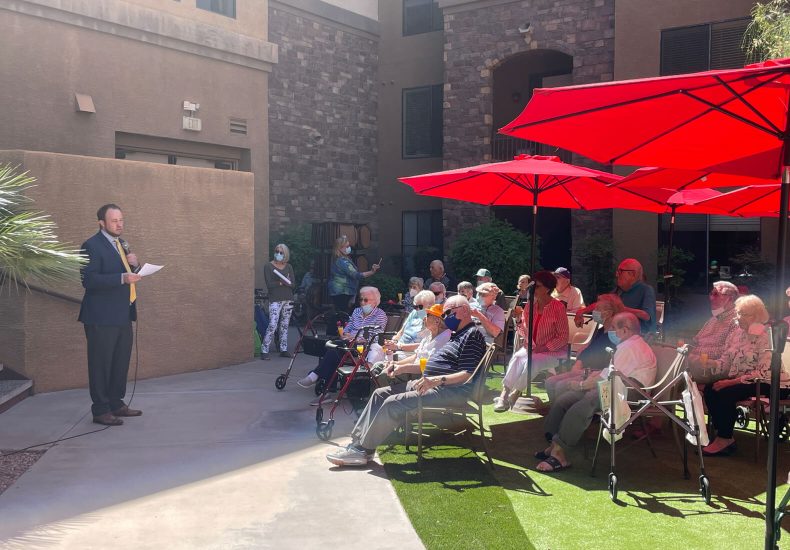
680, 258
297, 239
388, 285
496, 246
595, 274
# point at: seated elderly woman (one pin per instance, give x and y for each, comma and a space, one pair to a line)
433, 337
439, 292
367, 315
415, 286
550, 337
745, 359
522, 292
593, 358
467, 290
572, 412
410, 334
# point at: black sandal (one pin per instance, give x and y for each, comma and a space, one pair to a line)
555, 464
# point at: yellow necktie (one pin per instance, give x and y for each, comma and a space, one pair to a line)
132, 291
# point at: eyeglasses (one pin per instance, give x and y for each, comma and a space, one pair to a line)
418, 307
447, 312
438, 293
364, 300
619, 271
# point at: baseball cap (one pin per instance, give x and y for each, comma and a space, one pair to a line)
563, 272
435, 310
483, 272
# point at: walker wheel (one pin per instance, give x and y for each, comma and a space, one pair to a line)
704, 488
319, 386
319, 415
741, 417
324, 430
613, 487
280, 382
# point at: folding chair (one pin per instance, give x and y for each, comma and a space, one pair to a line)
471, 409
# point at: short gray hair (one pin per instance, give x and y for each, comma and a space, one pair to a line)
417, 281
457, 301
437, 287
372, 291
465, 285
727, 289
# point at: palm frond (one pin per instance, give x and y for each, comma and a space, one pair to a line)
29, 246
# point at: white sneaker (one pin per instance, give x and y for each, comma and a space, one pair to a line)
307, 382
500, 405
350, 456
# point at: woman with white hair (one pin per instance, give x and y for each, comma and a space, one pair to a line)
409, 336
280, 280
746, 358
368, 314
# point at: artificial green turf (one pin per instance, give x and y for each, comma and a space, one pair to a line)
456, 501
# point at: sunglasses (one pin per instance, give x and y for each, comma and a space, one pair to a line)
364, 300
437, 293
449, 312
619, 271
418, 307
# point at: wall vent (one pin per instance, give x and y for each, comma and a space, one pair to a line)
238, 126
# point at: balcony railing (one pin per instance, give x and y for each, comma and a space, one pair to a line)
506, 147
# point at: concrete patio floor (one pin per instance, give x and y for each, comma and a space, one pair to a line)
219, 459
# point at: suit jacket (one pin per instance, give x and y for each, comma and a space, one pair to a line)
106, 300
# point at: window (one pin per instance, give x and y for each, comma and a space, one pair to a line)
422, 122
422, 240
223, 7
421, 16
703, 47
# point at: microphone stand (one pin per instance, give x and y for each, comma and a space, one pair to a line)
531, 298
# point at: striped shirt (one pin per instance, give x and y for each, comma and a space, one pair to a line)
712, 337
377, 318
462, 353
551, 332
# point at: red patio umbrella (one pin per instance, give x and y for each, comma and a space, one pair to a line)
731, 121
753, 201
530, 181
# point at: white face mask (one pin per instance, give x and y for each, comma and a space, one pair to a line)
347, 250
413, 292
756, 329
717, 311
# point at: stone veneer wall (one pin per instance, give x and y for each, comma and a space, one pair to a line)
478, 37
322, 116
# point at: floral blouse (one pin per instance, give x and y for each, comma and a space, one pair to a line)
746, 354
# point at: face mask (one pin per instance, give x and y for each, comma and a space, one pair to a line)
413, 292
367, 308
279, 257
439, 299
718, 311
613, 338
756, 329
347, 250
420, 314
452, 322
597, 316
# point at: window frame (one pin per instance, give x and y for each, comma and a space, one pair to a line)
436, 141
217, 11
436, 23
709, 27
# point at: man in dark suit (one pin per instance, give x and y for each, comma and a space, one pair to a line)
108, 309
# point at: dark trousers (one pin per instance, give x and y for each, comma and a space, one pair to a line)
340, 303
721, 404
109, 350
329, 363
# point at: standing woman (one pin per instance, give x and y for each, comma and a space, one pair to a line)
280, 281
344, 278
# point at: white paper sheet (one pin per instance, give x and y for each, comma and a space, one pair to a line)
281, 276
149, 269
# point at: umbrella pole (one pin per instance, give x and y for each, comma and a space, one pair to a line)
532, 288
776, 360
668, 271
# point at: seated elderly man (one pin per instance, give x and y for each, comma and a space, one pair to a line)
711, 341
490, 316
573, 411
567, 293
442, 385
437, 274
484, 276
439, 292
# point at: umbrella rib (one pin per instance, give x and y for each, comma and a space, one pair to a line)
754, 200
573, 197
748, 105
438, 185
714, 107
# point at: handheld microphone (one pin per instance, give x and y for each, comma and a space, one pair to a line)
128, 250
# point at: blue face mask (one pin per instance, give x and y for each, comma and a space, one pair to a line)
347, 250
279, 257
452, 322
613, 338
367, 308
420, 314
597, 316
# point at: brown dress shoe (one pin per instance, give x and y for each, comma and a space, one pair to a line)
107, 419
126, 411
